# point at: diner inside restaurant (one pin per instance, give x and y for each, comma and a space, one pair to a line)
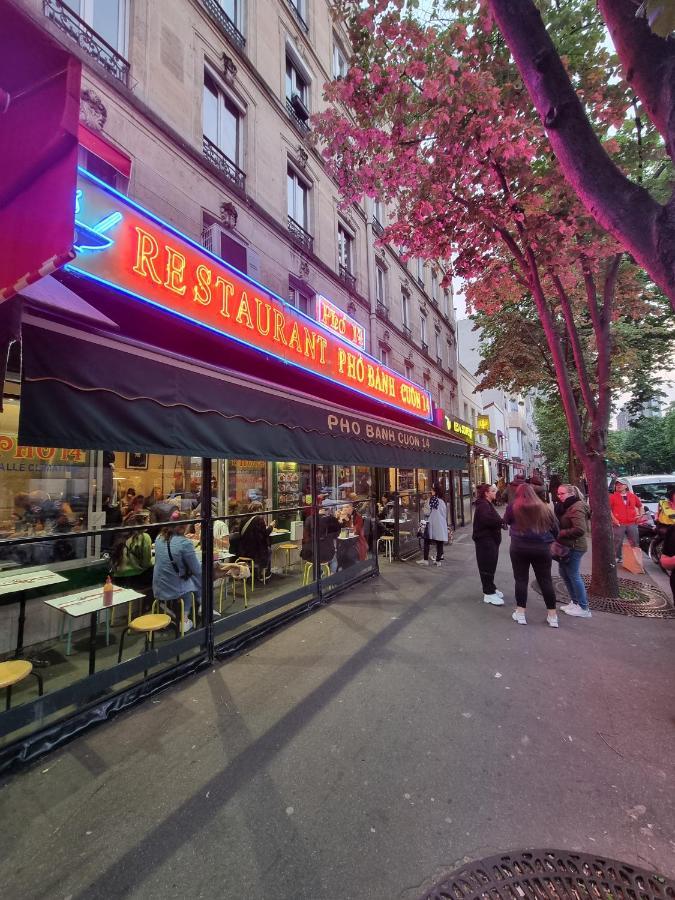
113, 563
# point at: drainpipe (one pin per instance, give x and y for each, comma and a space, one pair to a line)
370, 258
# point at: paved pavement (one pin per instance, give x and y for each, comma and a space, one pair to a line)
362, 753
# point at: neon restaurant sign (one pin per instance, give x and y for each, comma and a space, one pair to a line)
121, 245
333, 318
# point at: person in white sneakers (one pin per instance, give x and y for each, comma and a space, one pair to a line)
436, 513
573, 515
487, 536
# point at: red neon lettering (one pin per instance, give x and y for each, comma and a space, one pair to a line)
147, 250
226, 291
279, 322
202, 290
262, 330
175, 270
244, 313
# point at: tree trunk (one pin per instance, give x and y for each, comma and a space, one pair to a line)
604, 579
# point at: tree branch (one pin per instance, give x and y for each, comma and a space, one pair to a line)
624, 209
577, 352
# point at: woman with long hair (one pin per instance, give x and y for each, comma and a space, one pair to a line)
573, 515
254, 539
177, 573
533, 530
436, 513
487, 536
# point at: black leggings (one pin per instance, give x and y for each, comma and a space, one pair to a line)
487, 555
439, 548
524, 555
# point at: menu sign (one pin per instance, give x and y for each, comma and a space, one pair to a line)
121, 245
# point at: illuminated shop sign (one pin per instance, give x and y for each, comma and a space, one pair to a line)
455, 427
483, 423
16, 458
333, 318
121, 245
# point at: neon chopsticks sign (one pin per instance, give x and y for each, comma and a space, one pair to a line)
125, 247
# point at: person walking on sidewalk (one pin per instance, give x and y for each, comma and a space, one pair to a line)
573, 516
533, 530
436, 514
625, 507
487, 536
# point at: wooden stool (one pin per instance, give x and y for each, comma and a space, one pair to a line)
12, 672
289, 547
309, 568
388, 540
147, 625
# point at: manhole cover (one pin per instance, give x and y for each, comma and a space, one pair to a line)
539, 874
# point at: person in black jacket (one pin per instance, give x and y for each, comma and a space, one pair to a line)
487, 536
328, 528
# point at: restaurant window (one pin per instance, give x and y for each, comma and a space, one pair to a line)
247, 481
345, 249
221, 120
108, 18
298, 194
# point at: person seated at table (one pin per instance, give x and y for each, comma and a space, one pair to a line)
131, 554
128, 500
352, 547
134, 509
178, 571
328, 529
385, 508
254, 539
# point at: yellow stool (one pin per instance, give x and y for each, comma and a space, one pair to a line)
223, 590
388, 540
154, 610
247, 559
309, 568
289, 547
147, 625
12, 672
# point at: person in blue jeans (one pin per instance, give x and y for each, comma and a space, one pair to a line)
573, 515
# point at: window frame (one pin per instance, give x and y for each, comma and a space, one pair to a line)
405, 309
423, 328
85, 11
224, 98
345, 248
338, 52
298, 181
380, 271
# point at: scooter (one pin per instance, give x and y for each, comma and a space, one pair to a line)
651, 538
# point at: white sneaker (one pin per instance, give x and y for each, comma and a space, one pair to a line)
423, 562
438, 562
519, 617
568, 607
187, 625
494, 599
552, 621
579, 612
499, 593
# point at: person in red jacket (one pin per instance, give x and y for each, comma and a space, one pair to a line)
625, 507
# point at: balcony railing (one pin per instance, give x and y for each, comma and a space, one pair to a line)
378, 229
347, 277
225, 23
300, 236
298, 15
224, 164
91, 42
383, 310
439, 362
299, 123
425, 347
407, 332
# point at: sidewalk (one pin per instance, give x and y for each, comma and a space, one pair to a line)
363, 752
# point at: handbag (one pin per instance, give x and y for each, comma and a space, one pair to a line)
559, 552
422, 529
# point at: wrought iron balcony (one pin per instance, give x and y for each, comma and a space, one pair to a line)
383, 310
224, 164
347, 277
300, 236
298, 15
407, 332
224, 23
91, 42
299, 122
378, 229
425, 347
439, 362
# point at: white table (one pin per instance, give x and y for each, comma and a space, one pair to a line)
20, 582
90, 602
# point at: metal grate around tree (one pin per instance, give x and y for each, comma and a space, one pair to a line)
91, 42
540, 874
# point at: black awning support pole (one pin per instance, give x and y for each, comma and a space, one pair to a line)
315, 531
207, 556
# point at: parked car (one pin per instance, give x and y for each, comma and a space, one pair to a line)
649, 488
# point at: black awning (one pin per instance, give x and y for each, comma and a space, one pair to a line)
82, 391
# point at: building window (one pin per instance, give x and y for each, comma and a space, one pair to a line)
345, 249
301, 298
405, 311
384, 355
340, 64
299, 7
102, 170
466, 412
221, 120
434, 286
298, 194
296, 87
380, 284
423, 331
232, 9
378, 211
409, 370
451, 356
439, 358
420, 272
446, 304
106, 17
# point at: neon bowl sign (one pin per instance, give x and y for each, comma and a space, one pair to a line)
121, 245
